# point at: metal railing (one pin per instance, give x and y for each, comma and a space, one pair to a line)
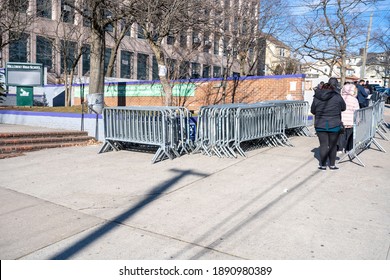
296, 116
367, 122
221, 130
166, 128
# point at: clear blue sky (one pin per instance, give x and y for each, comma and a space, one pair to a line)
380, 10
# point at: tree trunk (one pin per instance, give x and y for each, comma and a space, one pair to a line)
163, 78
343, 70
96, 84
70, 87
114, 53
111, 63
242, 58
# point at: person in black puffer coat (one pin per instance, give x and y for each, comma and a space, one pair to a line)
327, 107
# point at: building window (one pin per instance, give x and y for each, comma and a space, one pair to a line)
226, 25
206, 71
87, 14
235, 24
18, 49
108, 27
67, 12
86, 59
44, 8
170, 39
125, 25
183, 39
171, 65
140, 33
195, 73
216, 45
225, 46
244, 29
68, 55
184, 69
142, 66
44, 53
126, 64
155, 75
216, 72
20, 6
282, 52
195, 39
206, 42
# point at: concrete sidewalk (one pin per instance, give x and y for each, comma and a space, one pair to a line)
72, 203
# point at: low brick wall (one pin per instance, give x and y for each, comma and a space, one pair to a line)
205, 91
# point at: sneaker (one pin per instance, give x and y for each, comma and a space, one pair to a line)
322, 167
333, 167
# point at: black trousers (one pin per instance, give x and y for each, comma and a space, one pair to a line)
346, 140
328, 147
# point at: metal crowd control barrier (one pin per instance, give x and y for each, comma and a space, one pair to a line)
380, 123
366, 124
296, 116
260, 122
222, 129
166, 128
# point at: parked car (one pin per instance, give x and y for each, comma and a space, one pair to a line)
386, 95
380, 89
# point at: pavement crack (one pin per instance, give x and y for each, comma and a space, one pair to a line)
179, 240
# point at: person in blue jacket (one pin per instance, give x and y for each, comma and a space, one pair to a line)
327, 107
362, 95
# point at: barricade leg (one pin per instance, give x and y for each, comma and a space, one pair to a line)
351, 155
377, 145
110, 146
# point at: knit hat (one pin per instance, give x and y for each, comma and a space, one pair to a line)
334, 82
349, 89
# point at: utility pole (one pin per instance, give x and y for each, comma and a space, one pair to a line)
364, 60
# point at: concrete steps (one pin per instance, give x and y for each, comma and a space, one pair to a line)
16, 143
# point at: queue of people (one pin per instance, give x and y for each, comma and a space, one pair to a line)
334, 109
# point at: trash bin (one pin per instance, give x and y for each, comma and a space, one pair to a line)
95, 102
193, 123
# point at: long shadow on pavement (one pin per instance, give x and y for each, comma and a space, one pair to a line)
154, 194
213, 246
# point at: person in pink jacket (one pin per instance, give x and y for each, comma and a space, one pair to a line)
349, 93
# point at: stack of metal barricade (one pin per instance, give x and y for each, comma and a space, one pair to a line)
164, 128
223, 129
295, 116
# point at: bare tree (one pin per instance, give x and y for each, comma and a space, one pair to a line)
99, 15
120, 29
159, 19
381, 40
69, 45
330, 32
14, 21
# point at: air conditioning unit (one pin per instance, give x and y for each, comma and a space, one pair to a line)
67, 8
207, 43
